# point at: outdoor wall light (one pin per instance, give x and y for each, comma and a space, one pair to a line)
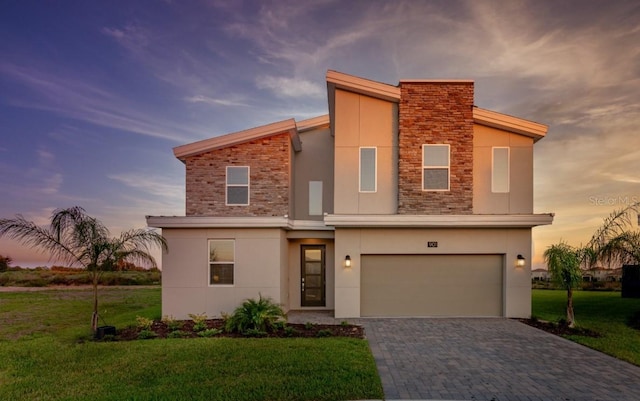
520, 261
347, 261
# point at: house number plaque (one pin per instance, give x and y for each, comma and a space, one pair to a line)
432, 244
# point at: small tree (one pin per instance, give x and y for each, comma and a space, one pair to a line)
564, 262
78, 239
5, 261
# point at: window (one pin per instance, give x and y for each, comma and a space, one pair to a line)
435, 167
315, 198
238, 186
221, 261
368, 169
500, 170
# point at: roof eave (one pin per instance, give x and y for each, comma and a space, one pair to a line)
509, 123
439, 221
363, 86
206, 145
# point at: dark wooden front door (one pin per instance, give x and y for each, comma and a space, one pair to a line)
312, 281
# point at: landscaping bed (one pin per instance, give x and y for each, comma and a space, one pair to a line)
560, 329
215, 328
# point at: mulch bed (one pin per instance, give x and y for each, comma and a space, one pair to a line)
560, 329
161, 330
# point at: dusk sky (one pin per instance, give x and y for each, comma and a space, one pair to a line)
95, 94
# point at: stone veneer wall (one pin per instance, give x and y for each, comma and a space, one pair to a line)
269, 184
435, 113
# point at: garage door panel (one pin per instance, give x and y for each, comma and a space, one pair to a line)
432, 285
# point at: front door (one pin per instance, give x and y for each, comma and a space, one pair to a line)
312, 277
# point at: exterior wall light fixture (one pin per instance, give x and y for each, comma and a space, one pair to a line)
520, 260
347, 261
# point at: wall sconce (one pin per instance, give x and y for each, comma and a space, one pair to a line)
520, 260
347, 261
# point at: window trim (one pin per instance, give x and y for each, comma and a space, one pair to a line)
434, 167
209, 262
493, 190
227, 186
375, 169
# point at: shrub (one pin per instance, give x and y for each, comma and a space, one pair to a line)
209, 332
255, 315
144, 323
324, 333
178, 334
172, 323
308, 326
199, 321
290, 331
146, 334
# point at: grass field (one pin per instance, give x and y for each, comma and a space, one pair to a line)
46, 277
45, 355
604, 312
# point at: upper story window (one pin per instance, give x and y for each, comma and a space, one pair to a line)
221, 261
315, 198
435, 167
368, 169
500, 170
237, 186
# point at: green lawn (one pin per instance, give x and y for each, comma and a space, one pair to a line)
605, 312
43, 356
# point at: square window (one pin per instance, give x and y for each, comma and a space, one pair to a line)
435, 167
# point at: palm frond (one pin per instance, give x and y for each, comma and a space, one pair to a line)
31, 235
616, 223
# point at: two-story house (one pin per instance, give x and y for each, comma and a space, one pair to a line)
404, 200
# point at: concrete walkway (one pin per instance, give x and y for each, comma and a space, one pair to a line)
491, 359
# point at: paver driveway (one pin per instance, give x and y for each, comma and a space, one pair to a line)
492, 359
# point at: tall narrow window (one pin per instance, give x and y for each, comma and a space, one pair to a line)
435, 167
238, 186
221, 261
500, 170
368, 169
315, 198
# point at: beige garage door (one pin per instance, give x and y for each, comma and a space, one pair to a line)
431, 285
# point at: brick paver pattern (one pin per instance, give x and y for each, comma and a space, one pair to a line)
491, 359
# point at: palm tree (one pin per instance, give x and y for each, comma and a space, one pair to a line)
564, 262
614, 242
78, 239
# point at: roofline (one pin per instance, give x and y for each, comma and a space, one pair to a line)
190, 149
439, 81
313, 123
359, 85
509, 123
363, 86
331, 221
263, 131
440, 221
282, 222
